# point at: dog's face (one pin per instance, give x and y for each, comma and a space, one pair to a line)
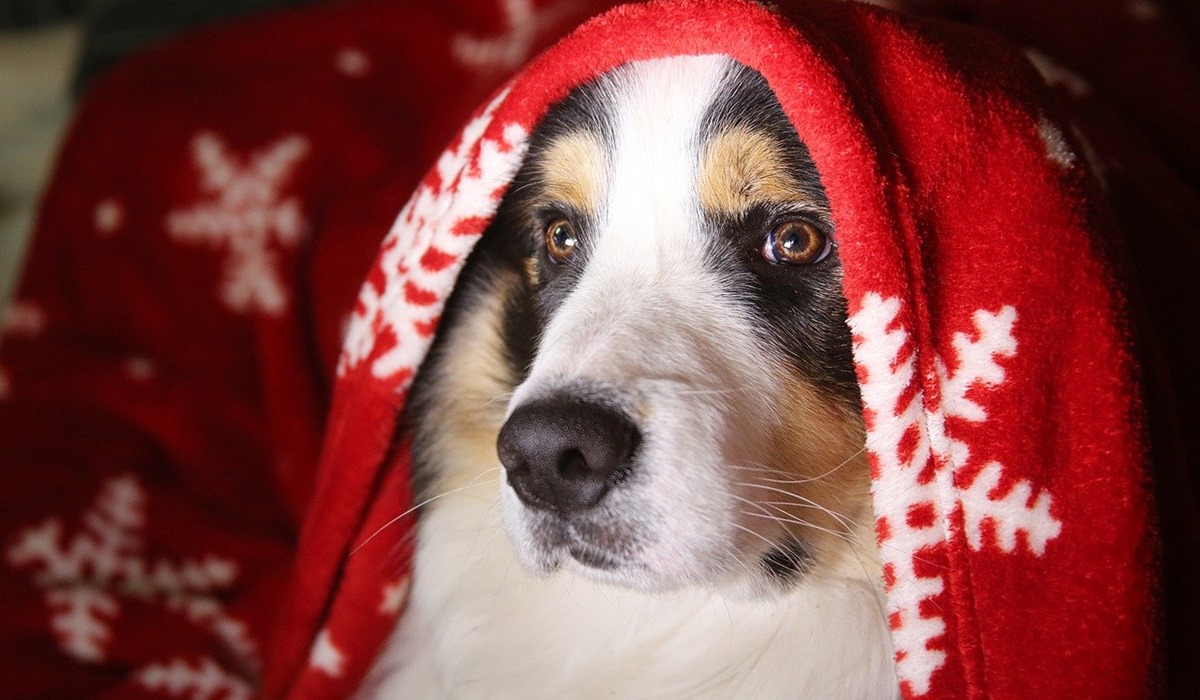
685, 407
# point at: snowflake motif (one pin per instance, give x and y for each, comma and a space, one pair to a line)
1143, 10
245, 212
1055, 73
206, 680
399, 305
1057, 148
108, 217
917, 467
353, 63
141, 369
510, 50
23, 319
394, 596
325, 656
85, 577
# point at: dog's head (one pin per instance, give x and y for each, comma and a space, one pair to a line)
688, 411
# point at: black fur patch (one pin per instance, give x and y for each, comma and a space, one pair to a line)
787, 561
513, 237
801, 309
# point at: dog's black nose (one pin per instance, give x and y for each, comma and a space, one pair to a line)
564, 454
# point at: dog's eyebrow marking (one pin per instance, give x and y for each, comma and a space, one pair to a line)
529, 267
572, 171
741, 167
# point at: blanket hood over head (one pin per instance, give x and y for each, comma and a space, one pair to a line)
1003, 427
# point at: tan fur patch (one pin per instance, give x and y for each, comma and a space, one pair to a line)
472, 394
572, 171
741, 167
821, 490
532, 274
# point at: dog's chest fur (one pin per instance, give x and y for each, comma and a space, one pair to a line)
478, 626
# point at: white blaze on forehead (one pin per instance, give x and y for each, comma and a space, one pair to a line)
652, 320
645, 293
652, 208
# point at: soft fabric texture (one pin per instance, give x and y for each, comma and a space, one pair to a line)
180, 453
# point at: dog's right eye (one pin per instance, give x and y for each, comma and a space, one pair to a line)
796, 243
561, 241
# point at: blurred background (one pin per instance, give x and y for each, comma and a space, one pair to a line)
50, 51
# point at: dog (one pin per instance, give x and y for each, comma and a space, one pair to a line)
638, 438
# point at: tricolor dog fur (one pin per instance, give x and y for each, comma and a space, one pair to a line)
638, 437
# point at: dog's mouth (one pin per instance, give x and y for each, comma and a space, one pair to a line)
643, 502
627, 547
594, 553
602, 541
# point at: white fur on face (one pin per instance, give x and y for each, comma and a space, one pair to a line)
652, 324
650, 327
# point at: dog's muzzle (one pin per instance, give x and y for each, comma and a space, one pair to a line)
563, 454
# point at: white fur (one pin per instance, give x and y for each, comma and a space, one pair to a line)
478, 626
682, 617
648, 317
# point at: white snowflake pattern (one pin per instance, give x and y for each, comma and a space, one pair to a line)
394, 595
1057, 147
1143, 10
1055, 73
246, 211
419, 259
352, 62
86, 576
23, 319
325, 656
204, 681
915, 466
511, 49
140, 368
108, 217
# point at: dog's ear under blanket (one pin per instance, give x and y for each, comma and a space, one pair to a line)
1004, 429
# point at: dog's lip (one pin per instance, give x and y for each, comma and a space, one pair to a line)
593, 557
594, 549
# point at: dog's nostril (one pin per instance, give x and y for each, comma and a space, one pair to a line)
565, 454
573, 466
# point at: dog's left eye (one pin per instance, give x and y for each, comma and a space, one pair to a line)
561, 240
796, 242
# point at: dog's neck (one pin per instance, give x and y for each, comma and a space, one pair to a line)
478, 626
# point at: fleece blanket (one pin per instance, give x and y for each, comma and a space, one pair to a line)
205, 493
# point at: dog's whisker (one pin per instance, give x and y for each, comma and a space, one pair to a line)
800, 521
475, 482
492, 510
801, 500
805, 480
797, 521
770, 545
777, 472
504, 396
783, 506
707, 392
790, 519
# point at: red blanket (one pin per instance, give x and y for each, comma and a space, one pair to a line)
199, 496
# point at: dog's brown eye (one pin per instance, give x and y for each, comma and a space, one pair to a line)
796, 243
560, 240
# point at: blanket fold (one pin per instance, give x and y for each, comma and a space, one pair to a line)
1004, 435
202, 376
